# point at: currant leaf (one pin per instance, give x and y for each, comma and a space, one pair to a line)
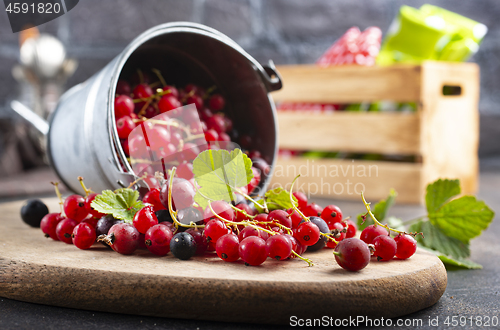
463, 218
439, 192
436, 240
278, 199
219, 173
122, 204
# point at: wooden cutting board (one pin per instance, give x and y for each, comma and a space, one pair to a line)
40, 270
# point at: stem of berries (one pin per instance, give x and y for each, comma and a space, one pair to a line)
87, 190
58, 193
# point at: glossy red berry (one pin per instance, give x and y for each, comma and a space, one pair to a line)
157, 239
281, 217
153, 197
254, 182
144, 219
250, 231
222, 208
123, 87
370, 232
123, 238
406, 246
227, 247
351, 229
279, 247
307, 233
142, 91
312, 210
352, 254
385, 247
216, 102
301, 199
88, 205
168, 103
295, 217
75, 208
64, 230
253, 251
124, 106
331, 214
124, 126
83, 236
338, 234
215, 229
49, 224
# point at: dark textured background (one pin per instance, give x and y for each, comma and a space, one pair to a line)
287, 31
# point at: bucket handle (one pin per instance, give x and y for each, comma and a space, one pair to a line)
29, 115
272, 77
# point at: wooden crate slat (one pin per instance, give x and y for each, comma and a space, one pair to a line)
385, 133
450, 124
349, 84
376, 178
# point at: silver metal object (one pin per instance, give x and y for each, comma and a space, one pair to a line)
83, 140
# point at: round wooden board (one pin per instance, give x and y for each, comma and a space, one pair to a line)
40, 270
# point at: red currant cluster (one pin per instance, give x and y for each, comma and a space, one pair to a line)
76, 224
385, 247
354, 47
169, 132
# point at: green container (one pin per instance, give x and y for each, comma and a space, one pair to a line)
430, 33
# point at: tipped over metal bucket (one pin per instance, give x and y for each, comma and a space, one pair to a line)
83, 140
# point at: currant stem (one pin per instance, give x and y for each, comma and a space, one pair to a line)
160, 76
137, 180
367, 205
293, 202
252, 200
309, 261
58, 193
328, 236
173, 214
242, 211
87, 190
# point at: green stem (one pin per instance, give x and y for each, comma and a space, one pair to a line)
309, 261
367, 206
292, 201
173, 214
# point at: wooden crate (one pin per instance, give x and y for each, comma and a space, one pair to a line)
443, 133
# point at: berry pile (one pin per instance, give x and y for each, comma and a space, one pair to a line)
233, 230
176, 125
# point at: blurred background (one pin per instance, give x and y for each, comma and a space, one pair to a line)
287, 31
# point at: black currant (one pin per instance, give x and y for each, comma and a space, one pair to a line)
183, 246
33, 211
323, 227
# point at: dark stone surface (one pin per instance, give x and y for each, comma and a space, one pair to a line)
470, 293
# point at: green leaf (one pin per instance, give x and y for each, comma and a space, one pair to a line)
436, 240
439, 192
379, 210
278, 199
122, 204
463, 218
219, 173
452, 263
462, 263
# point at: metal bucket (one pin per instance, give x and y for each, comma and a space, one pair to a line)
83, 140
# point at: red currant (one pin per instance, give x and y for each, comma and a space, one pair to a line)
75, 208
307, 233
352, 254
370, 232
124, 126
153, 197
301, 199
278, 247
88, 205
281, 217
331, 214
222, 208
385, 247
49, 224
84, 236
227, 247
64, 230
157, 239
216, 102
253, 251
123, 238
406, 246
144, 219
215, 229
312, 210
124, 106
